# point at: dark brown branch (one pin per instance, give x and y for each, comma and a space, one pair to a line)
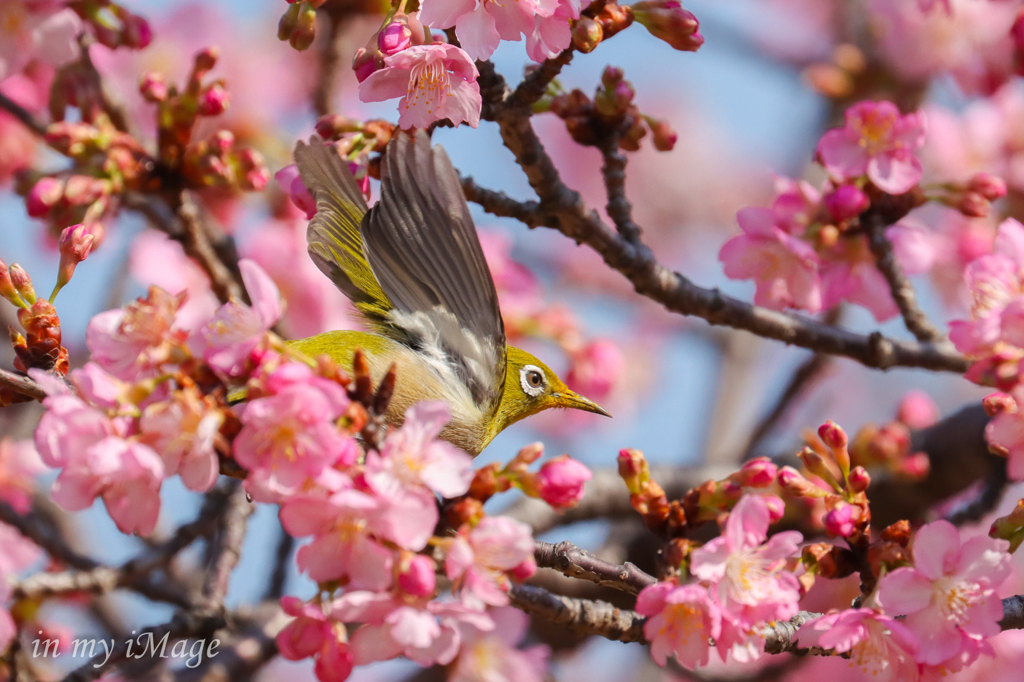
903, 293
229, 547
574, 562
22, 114
19, 383
564, 209
197, 245
582, 616
614, 173
536, 83
330, 60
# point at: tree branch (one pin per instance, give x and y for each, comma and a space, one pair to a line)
574, 562
583, 616
22, 114
19, 383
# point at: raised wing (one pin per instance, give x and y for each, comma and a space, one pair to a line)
422, 246
335, 244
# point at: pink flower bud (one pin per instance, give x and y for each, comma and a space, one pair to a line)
667, 20
1017, 31
997, 403
917, 410
75, 244
789, 476
214, 100
846, 202
973, 205
137, 33
153, 87
394, 37
366, 62
841, 520
23, 283
254, 170
587, 34
82, 190
292, 185
333, 126
305, 28
859, 479
7, 289
833, 435
560, 482
987, 185
758, 473
524, 571
776, 508
530, 453
916, 466
207, 59
418, 578
665, 135
43, 196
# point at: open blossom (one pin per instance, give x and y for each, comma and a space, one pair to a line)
237, 329
131, 343
290, 437
1006, 432
478, 560
996, 283
880, 645
876, 141
427, 632
949, 594
749, 575
183, 430
342, 547
19, 466
36, 29
435, 82
849, 273
481, 25
680, 621
312, 633
492, 656
291, 183
552, 34
784, 267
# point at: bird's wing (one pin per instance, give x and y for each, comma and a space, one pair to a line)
423, 248
335, 244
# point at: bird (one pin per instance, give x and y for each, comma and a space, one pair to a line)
415, 272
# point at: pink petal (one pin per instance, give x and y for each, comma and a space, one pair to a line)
936, 549
444, 13
904, 591
372, 643
841, 154
1010, 241
370, 566
894, 173
384, 84
265, 297
478, 33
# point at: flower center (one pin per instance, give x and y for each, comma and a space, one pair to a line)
682, 621
349, 528
955, 597
875, 130
429, 84
12, 18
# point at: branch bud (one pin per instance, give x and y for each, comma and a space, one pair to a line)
23, 283
587, 34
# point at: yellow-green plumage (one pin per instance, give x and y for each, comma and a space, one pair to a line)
414, 269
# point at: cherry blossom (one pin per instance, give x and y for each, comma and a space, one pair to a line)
19, 465
783, 266
36, 29
478, 560
480, 25
880, 645
493, 656
549, 35
949, 594
311, 633
435, 82
681, 619
1006, 432
292, 185
183, 430
879, 142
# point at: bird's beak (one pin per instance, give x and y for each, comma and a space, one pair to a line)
575, 401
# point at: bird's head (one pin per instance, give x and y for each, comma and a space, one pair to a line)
531, 386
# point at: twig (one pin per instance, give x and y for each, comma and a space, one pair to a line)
564, 209
535, 84
583, 616
330, 59
614, 173
22, 114
197, 245
574, 562
32, 527
903, 293
285, 545
229, 547
802, 378
22, 384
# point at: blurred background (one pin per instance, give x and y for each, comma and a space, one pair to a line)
750, 105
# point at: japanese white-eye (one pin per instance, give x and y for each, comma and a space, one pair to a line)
415, 271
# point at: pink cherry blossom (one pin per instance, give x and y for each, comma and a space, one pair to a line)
917, 410
493, 656
481, 25
849, 273
427, 632
949, 594
596, 369
236, 329
680, 621
1006, 431
796, 204
311, 633
155, 259
560, 482
19, 553
880, 645
342, 547
292, 185
183, 430
34, 29
552, 34
290, 437
19, 466
417, 576
784, 267
749, 575
435, 82
478, 560
878, 142
132, 343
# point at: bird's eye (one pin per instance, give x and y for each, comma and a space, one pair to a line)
532, 380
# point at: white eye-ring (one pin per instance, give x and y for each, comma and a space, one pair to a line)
532, 380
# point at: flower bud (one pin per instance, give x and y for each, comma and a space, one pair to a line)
289, 20
859, 479
366, 62
997, 403
43, 196
973, 205
916, 466
757, 473
417, 576
987, 185
529, 454
7, 288
137, 33
816, 464
917, 410
214, 100
305, 28
333, 126
75, 244
841, 521
587, 34
394, 37
23, 283
560, 482
633, 469
524, 571
847, 202
255, 174
833, 435
206, 59
776, 508
153, 87
665, 136
667, 20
